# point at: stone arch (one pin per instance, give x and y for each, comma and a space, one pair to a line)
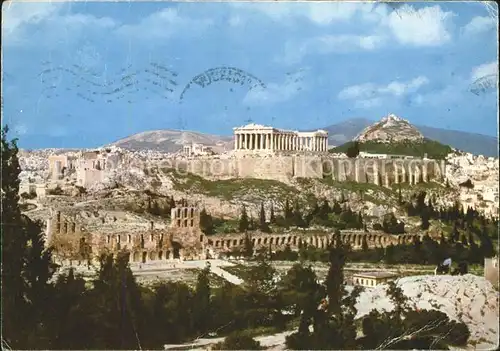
294, 240
160, 255
167, 254
258, 241
265, 240
253, 241
152, 256
289, 239
271, 241
283, 240
136, 256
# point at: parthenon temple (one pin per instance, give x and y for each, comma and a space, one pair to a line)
266, 138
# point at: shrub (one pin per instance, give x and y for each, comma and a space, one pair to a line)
238, 341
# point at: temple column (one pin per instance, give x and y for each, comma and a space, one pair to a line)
386, 180
396, 175
261, 136
375, 173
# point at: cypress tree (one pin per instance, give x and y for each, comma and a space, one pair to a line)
272, 217
262, 219
26, 264
243, 225
364, 244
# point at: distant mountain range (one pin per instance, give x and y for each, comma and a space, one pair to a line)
169, 140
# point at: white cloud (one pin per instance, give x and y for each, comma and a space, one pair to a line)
428, 26
320, 13
327, 44
277, 92
163, 24
480, 24
368, 103
15, 15
38, 23
484, 70
369, 94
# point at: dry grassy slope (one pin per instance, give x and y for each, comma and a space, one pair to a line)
224, 198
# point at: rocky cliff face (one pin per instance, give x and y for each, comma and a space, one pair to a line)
390, 129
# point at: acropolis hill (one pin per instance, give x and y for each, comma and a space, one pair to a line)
262, 152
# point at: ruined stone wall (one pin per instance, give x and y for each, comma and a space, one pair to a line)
308, 166
284, 167
228, 242
88, 177
66, 236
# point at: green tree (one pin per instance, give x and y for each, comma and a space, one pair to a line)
425, 216
262, 219
26, 264
389, 254
364, 244
353, 150
206, 222
238, 341
272, 217
298, 220
201, 302
244, 223
248, 246
301, 293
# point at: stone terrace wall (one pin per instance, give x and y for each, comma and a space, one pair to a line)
285, 167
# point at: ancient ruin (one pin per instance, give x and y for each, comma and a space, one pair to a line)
182, 239
255, 137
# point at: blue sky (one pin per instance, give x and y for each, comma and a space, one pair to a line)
83, 74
